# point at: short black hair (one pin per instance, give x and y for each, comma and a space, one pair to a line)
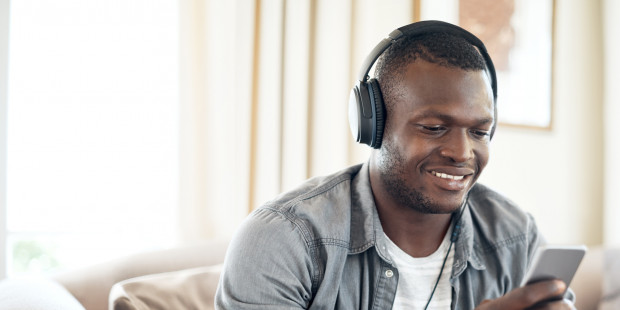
439, 48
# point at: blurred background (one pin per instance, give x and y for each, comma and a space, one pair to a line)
135, 125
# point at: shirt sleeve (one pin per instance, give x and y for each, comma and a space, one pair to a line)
268, 266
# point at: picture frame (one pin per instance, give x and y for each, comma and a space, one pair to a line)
519, 37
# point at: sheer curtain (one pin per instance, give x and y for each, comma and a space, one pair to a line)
91, 139
4, 48
264, 94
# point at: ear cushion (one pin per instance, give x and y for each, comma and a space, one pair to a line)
379, 109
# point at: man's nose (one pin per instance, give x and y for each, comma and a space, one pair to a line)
458, 146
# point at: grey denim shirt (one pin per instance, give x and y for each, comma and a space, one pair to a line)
321, 246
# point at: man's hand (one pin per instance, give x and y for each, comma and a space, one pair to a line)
529, 297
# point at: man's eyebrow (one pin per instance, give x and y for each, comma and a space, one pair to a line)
450, 119
484, 121
434, 114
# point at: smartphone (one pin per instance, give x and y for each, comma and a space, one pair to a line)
555, 262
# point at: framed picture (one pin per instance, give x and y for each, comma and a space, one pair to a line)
519, 37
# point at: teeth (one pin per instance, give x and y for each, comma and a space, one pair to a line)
447, 176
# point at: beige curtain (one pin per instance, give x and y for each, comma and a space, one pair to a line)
264, 94
611, 213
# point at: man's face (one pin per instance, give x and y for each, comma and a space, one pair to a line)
436, 140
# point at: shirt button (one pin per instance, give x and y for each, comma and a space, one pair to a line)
389, 273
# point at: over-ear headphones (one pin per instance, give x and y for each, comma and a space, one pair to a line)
366, 107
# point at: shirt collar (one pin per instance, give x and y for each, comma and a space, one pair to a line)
364, 216
464, 246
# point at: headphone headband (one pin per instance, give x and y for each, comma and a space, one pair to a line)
426, 27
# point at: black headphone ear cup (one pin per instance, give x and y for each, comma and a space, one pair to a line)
379, 111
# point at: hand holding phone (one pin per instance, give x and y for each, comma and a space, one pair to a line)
548, 263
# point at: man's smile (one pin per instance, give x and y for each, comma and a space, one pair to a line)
456, 180
447, 176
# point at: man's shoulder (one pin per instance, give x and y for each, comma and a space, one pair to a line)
497, 217
482, 196
332, 187
319, 207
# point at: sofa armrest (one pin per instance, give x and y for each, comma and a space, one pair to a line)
588, 281
611, 284
186, 289
91, 286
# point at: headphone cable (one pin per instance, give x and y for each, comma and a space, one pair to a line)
455, 235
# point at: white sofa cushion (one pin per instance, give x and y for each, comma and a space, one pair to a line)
36, 294
185, 289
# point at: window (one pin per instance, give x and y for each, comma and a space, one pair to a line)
92, 168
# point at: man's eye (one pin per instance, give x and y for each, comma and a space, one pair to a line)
433, 128
481, 133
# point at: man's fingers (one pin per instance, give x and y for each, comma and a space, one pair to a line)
554, 305
533, 294
527, 296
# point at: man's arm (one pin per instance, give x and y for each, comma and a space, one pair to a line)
268, 266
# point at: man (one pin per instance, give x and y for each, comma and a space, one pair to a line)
410, 228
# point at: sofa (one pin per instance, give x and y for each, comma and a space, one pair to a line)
89, 288
186, 278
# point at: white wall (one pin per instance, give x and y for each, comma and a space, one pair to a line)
4, 42
557, 175
611, 9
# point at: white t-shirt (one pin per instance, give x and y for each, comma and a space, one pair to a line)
417, 277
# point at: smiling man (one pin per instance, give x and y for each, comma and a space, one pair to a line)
410, 228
